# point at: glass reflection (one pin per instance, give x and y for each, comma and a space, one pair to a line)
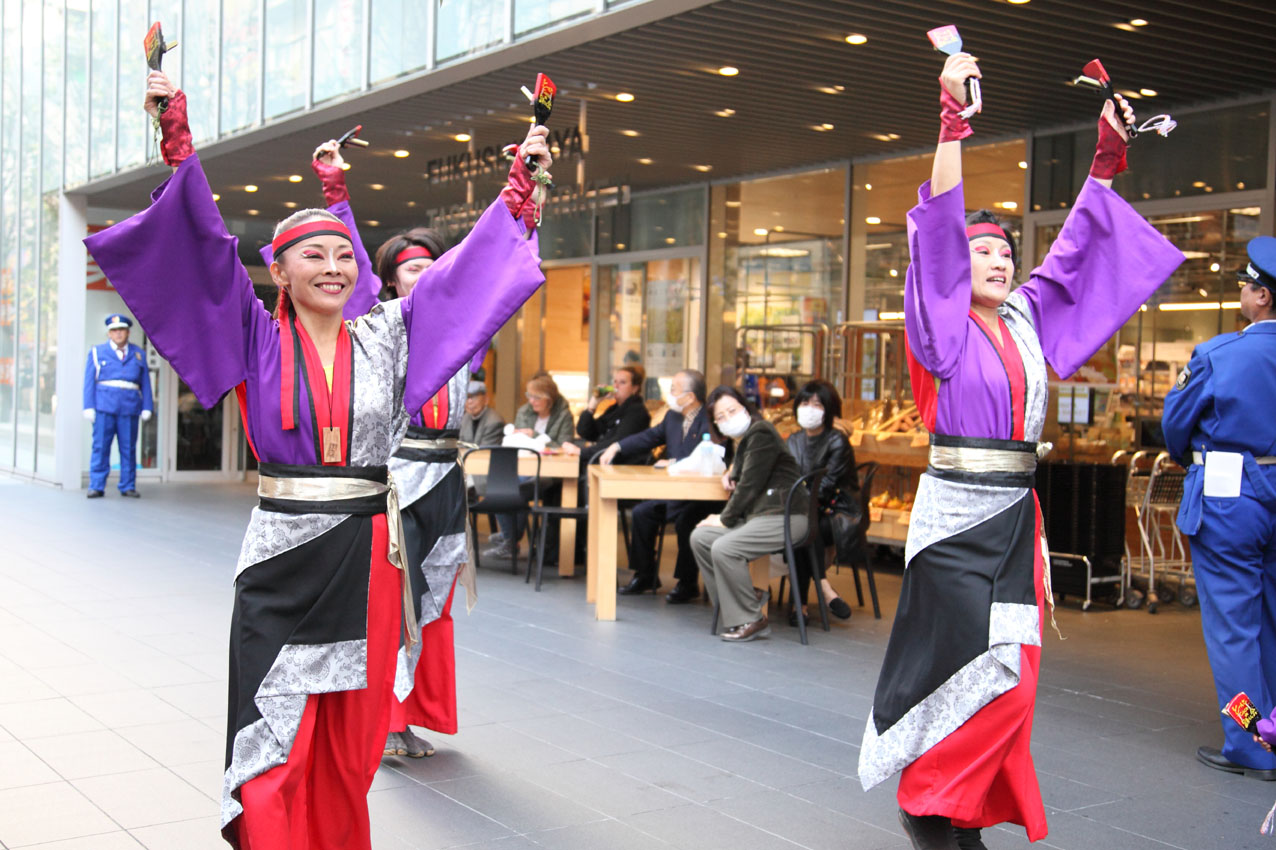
400, 37
286, 56
338, 47
468, 26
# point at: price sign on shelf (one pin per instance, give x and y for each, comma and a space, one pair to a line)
874, 513
905, 517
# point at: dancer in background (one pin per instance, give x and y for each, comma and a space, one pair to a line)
320, 602
954, 702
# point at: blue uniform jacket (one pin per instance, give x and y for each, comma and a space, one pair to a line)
1225, 400
668, 434
102, 364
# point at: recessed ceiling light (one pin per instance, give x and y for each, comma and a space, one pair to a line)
401, 153
110, 221
669, 240
728, 70
1138, 22
462, 137
1124, 26
722, 234
856, 38
294, 178
216, 197
412, 203
1017, 2
1199, 184
1009, 205
630, 133
292, 205
345, 166
733, 204
377, 186
1148, 92
250, 188
759, 231
1023, 164
625, 97
252, 212
894, 272
1130, 94
620, 246
868, 187
779, 228
372, 222
703, 167
872, 219
1214, 267
646, 160
725, 113
828, 89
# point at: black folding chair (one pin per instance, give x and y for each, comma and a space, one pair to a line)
813, 543
859, 554
504, 494
541, 515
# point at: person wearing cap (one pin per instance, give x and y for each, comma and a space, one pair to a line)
325, 593
1218, 423
481, 425
953, 707
117, 392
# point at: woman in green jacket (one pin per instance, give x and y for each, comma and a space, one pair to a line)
752, 523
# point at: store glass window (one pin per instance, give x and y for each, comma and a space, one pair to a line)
1176, 166
776, 268
286, 59
77, 94
468, 26
28, 235
241, 64
534, 14
649, 313
338, 33
1125, 382
103, 81
10, 110
653, 221
564, 235
54, 74
198, 54
134, 124
400, 37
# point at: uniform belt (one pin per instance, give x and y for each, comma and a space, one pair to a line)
1198, 458
337, 488
120, 385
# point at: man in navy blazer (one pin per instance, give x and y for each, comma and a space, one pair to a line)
683, 428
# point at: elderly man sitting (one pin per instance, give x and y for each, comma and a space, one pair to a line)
682, 429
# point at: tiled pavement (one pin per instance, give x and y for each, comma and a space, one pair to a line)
643, 733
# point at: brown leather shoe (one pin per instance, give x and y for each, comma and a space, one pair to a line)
749, 631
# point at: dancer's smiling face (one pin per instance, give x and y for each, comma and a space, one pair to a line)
318, 273
991, 270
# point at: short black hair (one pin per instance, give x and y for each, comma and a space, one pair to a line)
717, 395
826, 393
424, 237
698, 386
989, 217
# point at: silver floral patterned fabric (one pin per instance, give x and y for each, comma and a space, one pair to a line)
380, 354
1017, 316
943, 508
440, 568
298, 671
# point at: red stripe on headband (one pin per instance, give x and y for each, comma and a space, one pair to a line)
986, 228
321, 227
412, 253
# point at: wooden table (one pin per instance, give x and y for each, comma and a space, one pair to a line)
607, 486
564, 467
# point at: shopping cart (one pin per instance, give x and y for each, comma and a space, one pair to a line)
1155, 490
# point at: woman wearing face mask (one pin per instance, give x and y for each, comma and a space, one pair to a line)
954, 702
821, 446
320, 598
752, 523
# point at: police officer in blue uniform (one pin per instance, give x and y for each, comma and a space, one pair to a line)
1220, 423
117, 391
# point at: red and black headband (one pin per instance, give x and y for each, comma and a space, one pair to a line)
413, 252
987, 228
301, 232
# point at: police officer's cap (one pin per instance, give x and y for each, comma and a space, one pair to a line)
116, 321
1261, 269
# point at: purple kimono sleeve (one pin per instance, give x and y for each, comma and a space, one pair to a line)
937, 284
368, 287
178, 271
1106, 262
463, 299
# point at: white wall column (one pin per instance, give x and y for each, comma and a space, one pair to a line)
72, 278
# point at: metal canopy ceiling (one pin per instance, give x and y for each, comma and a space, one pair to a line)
791, 55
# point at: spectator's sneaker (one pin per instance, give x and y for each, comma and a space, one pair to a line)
94, 494
131, 494
504, 551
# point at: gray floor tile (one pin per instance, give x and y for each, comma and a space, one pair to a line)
50, 812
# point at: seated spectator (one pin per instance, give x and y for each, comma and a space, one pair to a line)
752, 523
682, 429
546, 412
481, 425
626, 417
820, 445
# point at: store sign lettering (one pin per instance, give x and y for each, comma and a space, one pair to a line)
488, 159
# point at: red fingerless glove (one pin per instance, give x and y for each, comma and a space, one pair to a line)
519, 193
952, 127
334, 182
175, 131
1109, 153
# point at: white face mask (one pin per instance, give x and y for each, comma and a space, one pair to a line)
810, 417
672, 401
735, 426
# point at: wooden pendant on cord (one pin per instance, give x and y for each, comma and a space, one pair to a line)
332, 445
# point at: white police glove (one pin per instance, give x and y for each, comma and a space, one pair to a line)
146, 416
90, 414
